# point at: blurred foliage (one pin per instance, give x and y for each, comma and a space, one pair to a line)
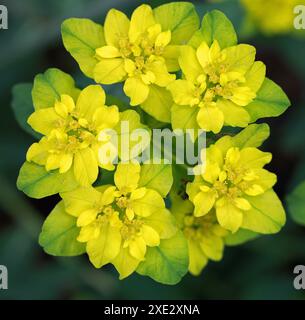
261, 269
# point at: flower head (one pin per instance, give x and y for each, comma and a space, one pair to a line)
71, 132
218, 84
119, 222
138, 52
277, 16
204, 234
228, 182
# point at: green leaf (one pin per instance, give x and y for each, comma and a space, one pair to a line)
158, 104
168, 262
50, 85
38, 183
240, 237
253, 136
296, 204
184, 117
179, 17
267, 214
81, 37
23, 107
215, 26
59, 233
271, 101
157, 177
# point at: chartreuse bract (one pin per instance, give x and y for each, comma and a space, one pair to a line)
146, 217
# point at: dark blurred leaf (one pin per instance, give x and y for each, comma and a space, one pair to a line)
296, 204
23, 106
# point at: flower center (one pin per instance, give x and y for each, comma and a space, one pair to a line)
195, 228
131, 229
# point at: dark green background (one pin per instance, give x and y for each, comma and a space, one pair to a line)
262, 269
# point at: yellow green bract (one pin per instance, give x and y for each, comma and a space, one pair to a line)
276, 17
153, 218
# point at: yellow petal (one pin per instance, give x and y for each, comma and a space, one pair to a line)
189, 63
89, 232
108, 195
86, 217
109, 71
203, 54
162, 77
210, 118
85, 167
163, 39
106, 117
90, 99
64, 106
137, 248
148, 77
44, 120
38, 152
106, 247
129, 213
232, 156
197, 259
242, 96
154, 31
65, 162
127, 176
138, 193
211, 172
130, 67
80, 200
214, 51
108, 52
228, 216
242, 204
254, 190
141, 19
116, 27
136, 90
204, 202
53, 162
171, 54
183, 92
125, 263
234, 115
150, 236
148, 205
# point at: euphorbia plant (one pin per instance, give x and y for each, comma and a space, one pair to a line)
152, 218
